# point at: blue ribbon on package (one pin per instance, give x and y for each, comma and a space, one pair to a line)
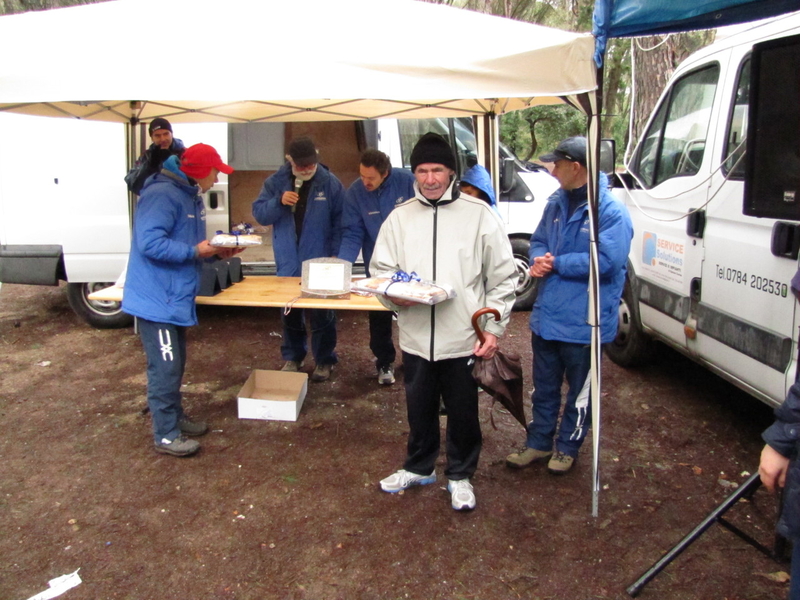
403, 276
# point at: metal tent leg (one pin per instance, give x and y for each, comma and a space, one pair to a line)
747, 489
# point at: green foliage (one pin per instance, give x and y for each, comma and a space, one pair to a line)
10, 7
534, 131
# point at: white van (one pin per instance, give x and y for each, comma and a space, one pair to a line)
64, 207
706, 275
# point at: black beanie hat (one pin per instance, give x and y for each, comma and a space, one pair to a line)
159, 123
432, 148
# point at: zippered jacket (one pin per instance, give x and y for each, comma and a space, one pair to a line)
321, 233
460, 241
163, 274
784, 437
150, 163
365, 212
561, 310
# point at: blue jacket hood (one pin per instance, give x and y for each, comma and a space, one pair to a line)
479, 177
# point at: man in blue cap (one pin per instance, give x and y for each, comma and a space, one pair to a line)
561, 336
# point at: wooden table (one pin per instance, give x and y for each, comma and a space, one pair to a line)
264, 291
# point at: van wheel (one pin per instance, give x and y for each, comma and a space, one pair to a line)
102, 314
527, 286
632, 347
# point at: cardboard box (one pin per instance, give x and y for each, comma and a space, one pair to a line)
273, 395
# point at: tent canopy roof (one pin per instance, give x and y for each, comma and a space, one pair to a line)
199, 60
627, 18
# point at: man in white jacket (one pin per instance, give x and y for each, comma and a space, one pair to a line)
447, 237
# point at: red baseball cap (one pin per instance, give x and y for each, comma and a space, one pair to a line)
198, 160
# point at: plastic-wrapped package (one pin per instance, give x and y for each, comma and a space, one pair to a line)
241, 234
405, 286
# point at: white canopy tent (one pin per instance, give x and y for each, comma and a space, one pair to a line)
243, 61
319, 60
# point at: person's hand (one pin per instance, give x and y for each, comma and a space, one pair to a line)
772, 468
489, 347
206, 250
289, 198
225, 253
402, 301
542, 265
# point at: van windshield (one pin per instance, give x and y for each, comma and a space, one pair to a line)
675, 142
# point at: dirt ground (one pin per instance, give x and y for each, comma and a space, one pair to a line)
292, 510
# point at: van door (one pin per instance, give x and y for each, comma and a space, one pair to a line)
745, 313
671, 164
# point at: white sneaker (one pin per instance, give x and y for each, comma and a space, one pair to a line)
397, 482
462, 497
386, 375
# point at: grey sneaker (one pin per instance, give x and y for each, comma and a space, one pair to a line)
180, 446
292, 366
322, 372
402, 480
560, 463
526, 457
192, 428
386, 375
462, 496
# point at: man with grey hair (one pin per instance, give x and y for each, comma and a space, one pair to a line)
450, 238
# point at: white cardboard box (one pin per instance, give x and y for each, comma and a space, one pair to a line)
273, 395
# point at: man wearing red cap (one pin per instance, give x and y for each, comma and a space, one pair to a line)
163, 278
150, 162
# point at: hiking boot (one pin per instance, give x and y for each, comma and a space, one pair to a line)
192, 428
292, 366
386, 375
180, 446
402, 480
526, 457
322, 372
462, 497
560, 463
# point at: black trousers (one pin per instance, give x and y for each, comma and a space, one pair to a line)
425, 383
380, 337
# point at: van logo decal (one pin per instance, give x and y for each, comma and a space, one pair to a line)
663, 257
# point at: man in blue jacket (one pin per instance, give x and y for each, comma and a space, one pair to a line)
162, 280
779, 467
368, 202
303, 202
561, 336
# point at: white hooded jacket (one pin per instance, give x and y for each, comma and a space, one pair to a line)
460, 241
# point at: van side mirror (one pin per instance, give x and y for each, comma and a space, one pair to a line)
608, 156
507, 172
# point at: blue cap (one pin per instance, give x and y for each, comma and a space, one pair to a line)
572, 149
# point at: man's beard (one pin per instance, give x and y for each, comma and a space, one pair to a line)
306, 175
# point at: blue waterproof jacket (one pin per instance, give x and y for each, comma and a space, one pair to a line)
560, 312
321, 233
784, 437
478, 177
365, 212
163, 275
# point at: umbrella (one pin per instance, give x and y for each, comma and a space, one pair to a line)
501, 375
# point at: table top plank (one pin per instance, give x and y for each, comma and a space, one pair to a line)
264, 291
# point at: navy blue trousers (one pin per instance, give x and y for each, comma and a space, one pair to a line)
165, 348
